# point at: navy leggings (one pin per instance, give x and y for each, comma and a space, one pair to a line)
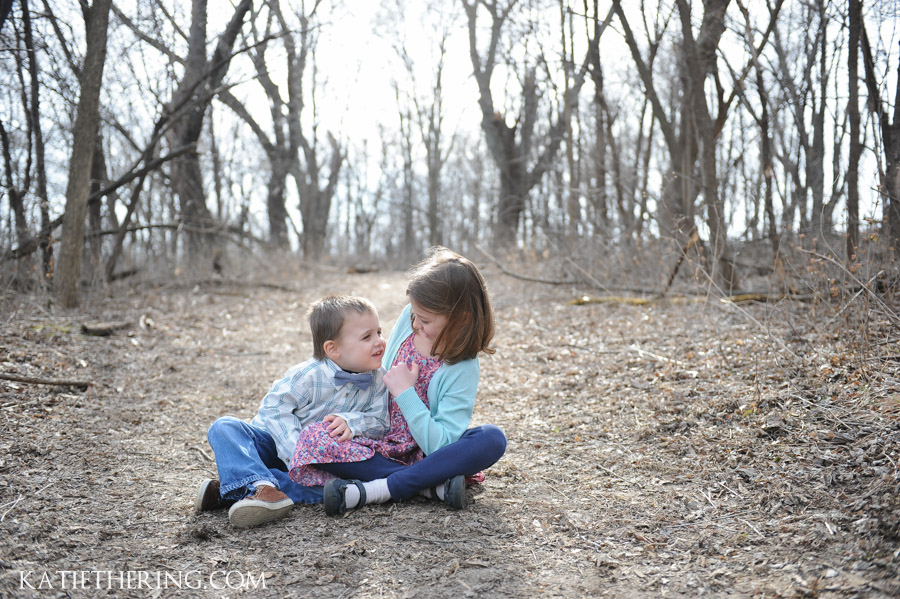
478, 448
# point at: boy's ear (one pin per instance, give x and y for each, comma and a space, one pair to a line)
331, 349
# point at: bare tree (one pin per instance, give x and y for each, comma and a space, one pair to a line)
282, 144
890, 139
429, 118
854, 23
317, 191
691, 133
202, 76
700, 58
407, 193
763, 121
68, 274
316, 185
29, 94
5, 8
808, 96
512, 146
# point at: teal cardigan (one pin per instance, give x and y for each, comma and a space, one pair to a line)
451, 395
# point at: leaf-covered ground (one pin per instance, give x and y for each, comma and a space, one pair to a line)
676, 449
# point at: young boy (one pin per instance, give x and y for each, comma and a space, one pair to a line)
341, 385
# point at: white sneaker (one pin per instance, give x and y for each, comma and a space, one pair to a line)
265, 505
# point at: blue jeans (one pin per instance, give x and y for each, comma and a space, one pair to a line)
246, 454
478, 448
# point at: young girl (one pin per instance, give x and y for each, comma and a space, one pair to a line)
433, 378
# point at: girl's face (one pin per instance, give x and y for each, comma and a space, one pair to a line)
427, 325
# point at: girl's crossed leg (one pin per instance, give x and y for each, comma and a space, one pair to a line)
477, 449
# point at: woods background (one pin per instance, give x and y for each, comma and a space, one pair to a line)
157, 139
191, 175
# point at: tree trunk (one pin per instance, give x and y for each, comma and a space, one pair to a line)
511, 155
890, 135
816, 158
700, 57
95, 209
408, 241
675, 207
281, 166
201, 78
767, 165
86, 121
315, 200
854, 24
39, 150
5, 8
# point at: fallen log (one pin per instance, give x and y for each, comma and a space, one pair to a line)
104, 329
36, 381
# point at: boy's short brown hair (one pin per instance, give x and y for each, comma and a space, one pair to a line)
327, 315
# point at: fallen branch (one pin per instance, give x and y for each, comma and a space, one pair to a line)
611, 299
34, 381
104, 329
507, 272
591, 281
765, 297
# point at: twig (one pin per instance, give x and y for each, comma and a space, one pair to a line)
27, 379
890, 312
641, 352
18, 500
708, 497
507, 272
15, 502
695, 238
588, 275
730, 490
620, 477
593, 544
753, 528
104, 329
439, 541
203, 453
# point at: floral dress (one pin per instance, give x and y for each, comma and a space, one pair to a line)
317, 447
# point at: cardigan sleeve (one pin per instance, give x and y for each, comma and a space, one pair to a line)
451, 395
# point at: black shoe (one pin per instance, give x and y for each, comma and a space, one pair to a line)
207, 496
455, 492
333, 495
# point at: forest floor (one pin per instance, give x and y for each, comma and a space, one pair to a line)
678, 449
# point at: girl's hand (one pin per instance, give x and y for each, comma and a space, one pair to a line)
401, 377
338, 429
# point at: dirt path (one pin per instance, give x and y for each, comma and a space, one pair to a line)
675, 450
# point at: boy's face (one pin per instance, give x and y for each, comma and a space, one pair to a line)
359, 346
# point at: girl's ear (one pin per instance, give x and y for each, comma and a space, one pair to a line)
331, 350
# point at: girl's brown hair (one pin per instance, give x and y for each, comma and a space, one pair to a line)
445, 283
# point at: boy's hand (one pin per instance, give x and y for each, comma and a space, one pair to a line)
338, 429
401, 377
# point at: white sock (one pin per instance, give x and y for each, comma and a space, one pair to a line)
429, 493
376, 492
262, 483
